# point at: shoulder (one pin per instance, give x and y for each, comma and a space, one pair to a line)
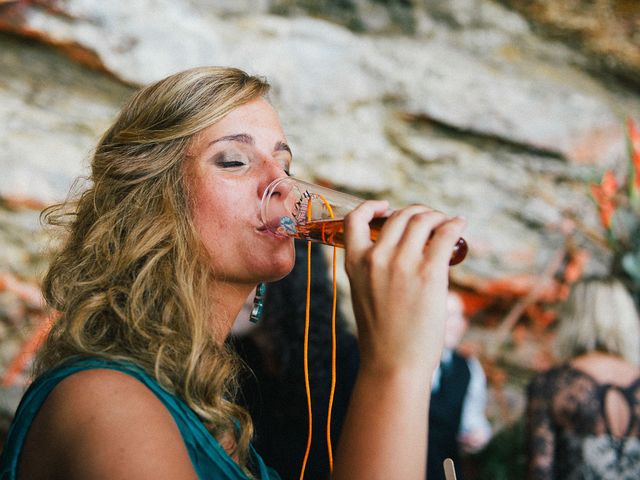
464, 359
103, 423
471, 360
103, 389
606, 369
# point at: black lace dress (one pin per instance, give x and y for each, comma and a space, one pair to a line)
569, 436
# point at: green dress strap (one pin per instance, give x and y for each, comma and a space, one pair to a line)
209, 459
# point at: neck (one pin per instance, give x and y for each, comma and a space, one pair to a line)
228, 299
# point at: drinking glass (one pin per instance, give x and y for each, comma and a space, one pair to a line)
294, 208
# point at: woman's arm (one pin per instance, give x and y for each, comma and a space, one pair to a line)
399, 293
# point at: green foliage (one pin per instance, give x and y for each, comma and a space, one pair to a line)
505, 457
631, 265
618, 204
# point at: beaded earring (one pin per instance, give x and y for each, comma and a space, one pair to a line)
256, 311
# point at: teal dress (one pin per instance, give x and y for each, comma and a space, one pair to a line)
209, 459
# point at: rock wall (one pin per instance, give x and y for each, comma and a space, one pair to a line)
500, 111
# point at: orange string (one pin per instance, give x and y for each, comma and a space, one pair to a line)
306, 355
333, 362
306, 350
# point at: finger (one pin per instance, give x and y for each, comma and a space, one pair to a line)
357, 234
416, 235
394, 228
443, 240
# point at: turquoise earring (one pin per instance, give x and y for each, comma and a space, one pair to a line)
256, 311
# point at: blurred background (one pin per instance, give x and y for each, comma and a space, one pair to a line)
508, 112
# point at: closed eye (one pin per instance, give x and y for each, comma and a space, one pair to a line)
230, 163
230, 160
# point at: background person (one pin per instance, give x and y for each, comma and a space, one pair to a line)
457, 420
583, 415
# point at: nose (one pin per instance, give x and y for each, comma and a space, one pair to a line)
277, 203
271, 171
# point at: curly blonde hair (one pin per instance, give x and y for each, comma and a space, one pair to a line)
131, 280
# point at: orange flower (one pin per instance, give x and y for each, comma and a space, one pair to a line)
604, 194
575, 265
609, 184
634, 146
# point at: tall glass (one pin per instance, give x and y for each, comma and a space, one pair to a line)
295, 208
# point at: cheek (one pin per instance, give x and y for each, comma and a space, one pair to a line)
213, 215
225, 215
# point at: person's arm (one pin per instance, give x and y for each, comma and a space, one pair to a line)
475, 430
539, 430
104, 424
399, 291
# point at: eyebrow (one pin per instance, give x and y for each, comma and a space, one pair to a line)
281, 146
248, 139
238, 137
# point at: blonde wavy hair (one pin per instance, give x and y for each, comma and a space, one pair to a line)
131, 280
599, 315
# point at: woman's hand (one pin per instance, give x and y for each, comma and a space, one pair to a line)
399, 290
398, 285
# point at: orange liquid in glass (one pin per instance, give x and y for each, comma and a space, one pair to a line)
331, 232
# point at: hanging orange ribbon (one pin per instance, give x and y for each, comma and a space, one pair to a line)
306, 349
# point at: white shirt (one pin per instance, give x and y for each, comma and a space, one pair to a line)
475, 400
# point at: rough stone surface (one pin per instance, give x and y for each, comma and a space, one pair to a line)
474, 107
455, 115
53, 111
608, 30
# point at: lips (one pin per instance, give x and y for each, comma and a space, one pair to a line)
268, 227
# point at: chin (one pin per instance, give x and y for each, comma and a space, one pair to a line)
280, 265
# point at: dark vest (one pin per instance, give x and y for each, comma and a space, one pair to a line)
445, 414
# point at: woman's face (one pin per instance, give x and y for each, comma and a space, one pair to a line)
233, 162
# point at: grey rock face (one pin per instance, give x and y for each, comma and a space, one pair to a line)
473, 113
